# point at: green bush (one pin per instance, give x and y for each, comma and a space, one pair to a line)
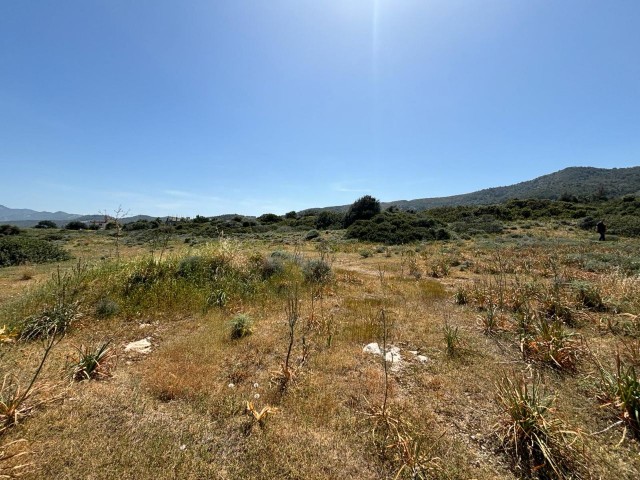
21, 250
328, 219
398, 228
9, 230
106, 308
311, 234
269, 218
316, 271
76, 225
241, 326
51, 320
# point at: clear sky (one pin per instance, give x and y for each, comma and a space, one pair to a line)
184, 107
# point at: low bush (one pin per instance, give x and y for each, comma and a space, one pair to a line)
51, 321
398, 228
76, 225
311, 234
106, 307
6, 230
21, 250
241, 326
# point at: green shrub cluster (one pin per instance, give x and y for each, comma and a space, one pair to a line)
21, 250
398, 228
6, 230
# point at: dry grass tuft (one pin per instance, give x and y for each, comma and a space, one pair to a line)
541, 445
10, 466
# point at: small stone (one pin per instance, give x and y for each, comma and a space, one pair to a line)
392, 357
141, 346
422, 358
372, 348
414, 352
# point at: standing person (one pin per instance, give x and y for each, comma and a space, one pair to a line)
601, 228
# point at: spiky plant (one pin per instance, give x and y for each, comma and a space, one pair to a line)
538, 443
93, 363
241, 326
552, 344
451, 339
622, 390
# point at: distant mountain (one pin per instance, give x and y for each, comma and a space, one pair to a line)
579, 182
24, 214
23, 217
572, 182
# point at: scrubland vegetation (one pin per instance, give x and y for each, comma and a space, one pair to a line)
512, 352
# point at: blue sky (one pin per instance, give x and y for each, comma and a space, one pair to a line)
184, 107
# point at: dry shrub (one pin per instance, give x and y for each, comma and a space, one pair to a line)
551, 344
541, 446
407, 449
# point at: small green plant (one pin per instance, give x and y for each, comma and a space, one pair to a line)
364, 253
621, 389
451, 339
241, 326
218, 298
588, 296
93, 363
106, 307
540, 445
461, 297
489, 320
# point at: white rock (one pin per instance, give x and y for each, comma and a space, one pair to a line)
141, 346
394, 350
392, 357
422, 358
372, 348
414, 352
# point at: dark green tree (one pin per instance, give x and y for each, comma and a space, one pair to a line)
76, 225
269, 218
46, 224
362, 209
328, 219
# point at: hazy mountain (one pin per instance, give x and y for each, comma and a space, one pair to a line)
22, 214
579, 182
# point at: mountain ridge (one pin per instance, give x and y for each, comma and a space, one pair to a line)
570, 182
579, 182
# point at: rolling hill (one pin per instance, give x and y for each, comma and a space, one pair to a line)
579, 182
572, 182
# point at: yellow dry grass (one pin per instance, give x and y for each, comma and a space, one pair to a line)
204, 405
